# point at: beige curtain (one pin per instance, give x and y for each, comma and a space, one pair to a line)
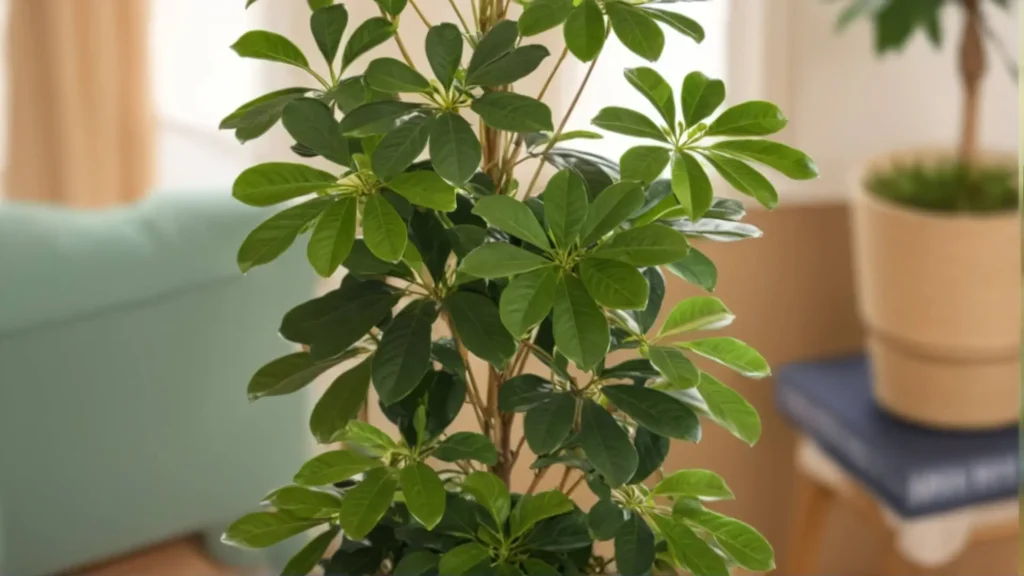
80, 115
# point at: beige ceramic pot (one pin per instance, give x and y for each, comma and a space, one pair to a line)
939, 295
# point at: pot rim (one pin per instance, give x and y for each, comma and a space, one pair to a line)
863, 195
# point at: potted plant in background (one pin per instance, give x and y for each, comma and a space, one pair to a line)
563, 272
937, 250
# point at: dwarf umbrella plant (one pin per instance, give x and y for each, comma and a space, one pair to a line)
466, 287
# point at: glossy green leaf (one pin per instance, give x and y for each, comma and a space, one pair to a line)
789, 161
636, 30
328, 25
691, 186
383, 229
254, 118
674, 366
614, 284
651, 245
513, 112
454, 148
462, 559
510, 68
370, 34
335, 466
263, 529
393, 7
403, 355
634, 547
512, 216
271, 238
700, 313
285, 375
394, 77
585, 30
532, 508
467, 446
499, 260
701, 96
479, 327
566, 533
401, 146
730, 410
744, 178
424, 493
565, 207
523, 392
367, 437
341, 402
739, 540
543, 15
697, 269
580, 328
375, 117
653, 409
528, 299
610, 209
755, 118
426, 189
607, 445
688, 548
303, 502
444, 52
646, 318
655, 89
333, 236
490, 492
276, 182
651, 450
731, 353
363, 506
307, 559
417, 563
497, 42
271, 46
605, 518
644, 163
629, 122
700, 484
548, 424
678, 22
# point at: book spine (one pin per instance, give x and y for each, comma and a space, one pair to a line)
973, 480
825, 428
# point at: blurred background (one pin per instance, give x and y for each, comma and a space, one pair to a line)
111, 111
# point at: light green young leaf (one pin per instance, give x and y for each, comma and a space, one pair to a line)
363, 506
607, 445
614, 284
271, 238
610, 209
394, 77
655, 410
731, 353
328, 25
367, 437
335, 466
700, 313
467, 446
277, 182
543, 15
512, 216
579, 326
341, 403
755, 118
333, 237
585, 30
264, 45
532, 508
303, 502
548, 424
383, 229
688, 548
403, 355
513, 112
701, 96
637, 30
644, 163
789, 161
629, 122
700, 484
674, 366
678, 22
652, 86
651, 245
565, 207
490, 492
739, 540
263, 529
730, 410
479, 327
424, 493
500, 260
528, 299
744, 178
691, 186
425, 188
370, 34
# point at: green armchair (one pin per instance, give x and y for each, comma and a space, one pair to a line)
127, 338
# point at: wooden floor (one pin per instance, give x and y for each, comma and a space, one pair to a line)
180, 558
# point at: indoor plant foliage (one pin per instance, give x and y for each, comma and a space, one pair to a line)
507, 270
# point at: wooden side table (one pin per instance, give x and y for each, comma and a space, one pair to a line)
916, 544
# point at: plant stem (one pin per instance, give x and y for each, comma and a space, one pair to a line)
575, 485
537, 477
972, 70
420, 13
474, 392
461, 19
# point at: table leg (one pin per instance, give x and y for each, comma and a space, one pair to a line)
894, 564
812, 503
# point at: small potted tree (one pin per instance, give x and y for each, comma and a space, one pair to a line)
504, 270
937, 244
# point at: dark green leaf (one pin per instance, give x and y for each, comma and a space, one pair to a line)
271, 238
490, 492
277, 182
605, 518
454, 148
614, 284
744, 179
629, 122
535, 567
634, 547
328, 25
418, 563
467, 446
688, 548
313, 4
565, 207
677, 22
462, 559
263, 529
652, 86
650, 408
753, 118
479, 327
432, 240
528, 299
363, 506
543, 15
253, 119
607, 445
696, 269
311, 123
264, 45
636, 30
701, 96
700, 484
499, 260
303, 502
403, 356
646, 318
285, 375
444, 51
393, 7
512, 216
585, 30
644, 163
789, 161
333, 237
341, 402
611, 208
306, 560
394, 76
652, 450
426, 189
510, 68
523, 392
332, 467
383, 229
424, 493
513, 112
651, 245
565, 533
498, 41
532, 508
370, 34
731, 353
375, 117
691, 186
402, 146
675, 367
580, 328
730, 410
547, 425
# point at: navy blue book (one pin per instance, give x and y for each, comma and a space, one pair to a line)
915, 471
